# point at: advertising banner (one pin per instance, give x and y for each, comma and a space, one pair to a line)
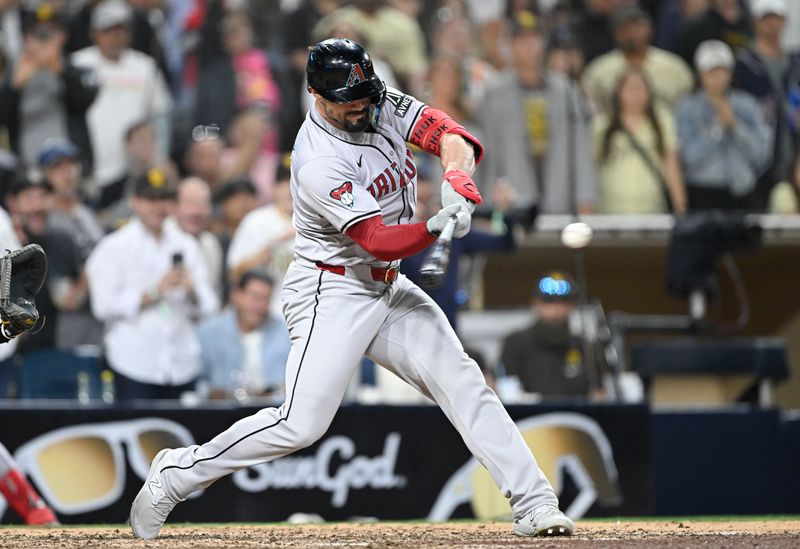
384, 462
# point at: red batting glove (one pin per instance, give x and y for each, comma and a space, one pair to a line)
464, 185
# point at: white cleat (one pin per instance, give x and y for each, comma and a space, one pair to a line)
545, 520
152, 505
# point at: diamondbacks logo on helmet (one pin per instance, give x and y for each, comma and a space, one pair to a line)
356, 75
344, 194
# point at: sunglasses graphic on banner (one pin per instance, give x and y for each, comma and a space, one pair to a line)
563, 442
82, 468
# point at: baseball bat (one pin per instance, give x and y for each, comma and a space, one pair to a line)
432, 271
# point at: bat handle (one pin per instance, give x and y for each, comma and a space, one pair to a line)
449, 229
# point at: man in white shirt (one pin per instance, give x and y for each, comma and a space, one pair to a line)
132, 89
149, 283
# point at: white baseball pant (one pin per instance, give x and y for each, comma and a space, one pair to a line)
334, 320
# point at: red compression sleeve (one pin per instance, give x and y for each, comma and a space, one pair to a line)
432, 125
390, 243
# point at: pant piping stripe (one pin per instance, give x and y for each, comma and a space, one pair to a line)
291, 401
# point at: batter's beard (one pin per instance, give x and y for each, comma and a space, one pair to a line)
359, 125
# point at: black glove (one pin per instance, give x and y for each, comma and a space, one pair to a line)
22, 274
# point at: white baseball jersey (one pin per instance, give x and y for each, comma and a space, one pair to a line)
341, 178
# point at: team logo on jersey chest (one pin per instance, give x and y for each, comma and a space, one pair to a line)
344, 194
356, 76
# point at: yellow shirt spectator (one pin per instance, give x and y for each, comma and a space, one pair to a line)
627, 185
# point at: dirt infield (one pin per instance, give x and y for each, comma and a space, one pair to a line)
772, 533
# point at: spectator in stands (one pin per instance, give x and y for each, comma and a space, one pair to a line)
495, 238
157, 37
144, 37
235, 199
490, 25
245, 347
11, 42
669, 75
62, 171
452, 38
30, 204
265, 237
724, 21
301, 22
60, 165
636, 151
244, 155
193, 215
447, 89
255, 86
204, 158
141, 156
725, 145
673, 17
593, 29
536, 130
9, 373
547, 357
771, 75
148, 284
269, 21
258, 94
132, 89
217, 99
564, 56
46, 97
394, 36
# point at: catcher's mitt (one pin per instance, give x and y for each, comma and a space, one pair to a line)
22, 274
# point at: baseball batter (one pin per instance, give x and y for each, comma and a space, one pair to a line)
353, 186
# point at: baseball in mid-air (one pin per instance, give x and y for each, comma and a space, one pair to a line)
576, 235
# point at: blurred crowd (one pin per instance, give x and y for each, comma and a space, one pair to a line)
145, 145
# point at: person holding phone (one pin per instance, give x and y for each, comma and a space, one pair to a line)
149, 284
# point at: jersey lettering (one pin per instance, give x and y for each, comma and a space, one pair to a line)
380, 186
386, 183
388, 172
411, 168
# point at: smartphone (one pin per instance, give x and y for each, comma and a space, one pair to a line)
177, 259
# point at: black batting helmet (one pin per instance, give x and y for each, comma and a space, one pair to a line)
341, 71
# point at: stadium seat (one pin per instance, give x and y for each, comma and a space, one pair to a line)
53, 374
